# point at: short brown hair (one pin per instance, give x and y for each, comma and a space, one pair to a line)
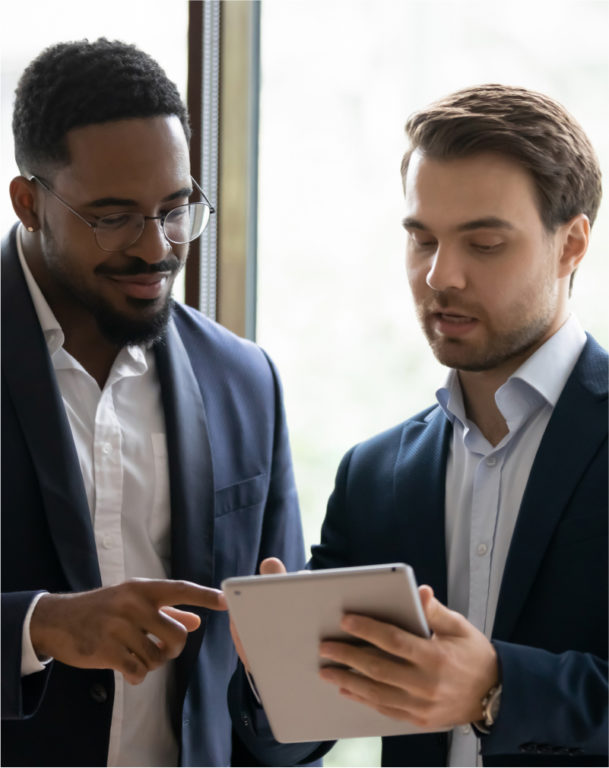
533, 129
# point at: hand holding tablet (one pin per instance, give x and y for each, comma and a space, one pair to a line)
281, 619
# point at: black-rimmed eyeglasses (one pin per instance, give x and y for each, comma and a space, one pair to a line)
117, 231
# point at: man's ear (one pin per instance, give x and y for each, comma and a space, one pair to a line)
25, 202
574, 244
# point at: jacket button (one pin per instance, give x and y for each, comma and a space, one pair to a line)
98, 693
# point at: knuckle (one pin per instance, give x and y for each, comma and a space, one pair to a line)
156, 655
399, 640
133, 668
375, 668
175, 649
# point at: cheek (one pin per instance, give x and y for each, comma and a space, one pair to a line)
416, 273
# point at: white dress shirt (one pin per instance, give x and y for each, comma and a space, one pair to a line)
485, 485
119, 434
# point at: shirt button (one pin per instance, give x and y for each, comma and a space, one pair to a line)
98, 693
466, 728
106, 448
491, 461
482, 549
106, 541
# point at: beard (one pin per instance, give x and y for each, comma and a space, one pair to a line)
522, 332
148, 321
124, 331
505, 347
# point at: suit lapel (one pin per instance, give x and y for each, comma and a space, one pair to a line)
419, 482
191, 481
32, 387
578, 421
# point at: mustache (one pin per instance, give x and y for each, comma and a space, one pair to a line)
141, 267
440, 300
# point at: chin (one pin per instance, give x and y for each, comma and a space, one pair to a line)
143, 327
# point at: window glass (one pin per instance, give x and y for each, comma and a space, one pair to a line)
339, 79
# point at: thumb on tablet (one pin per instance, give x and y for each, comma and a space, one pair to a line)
271, 565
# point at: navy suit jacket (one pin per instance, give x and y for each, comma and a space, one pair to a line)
550, 629
233, 502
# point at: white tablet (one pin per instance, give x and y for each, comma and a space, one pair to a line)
281, 619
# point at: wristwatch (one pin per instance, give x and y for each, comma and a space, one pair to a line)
490, 709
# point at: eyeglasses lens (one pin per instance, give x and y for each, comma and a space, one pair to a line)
116, 232
181, 225
186, 222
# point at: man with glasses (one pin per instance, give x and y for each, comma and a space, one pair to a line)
145, 454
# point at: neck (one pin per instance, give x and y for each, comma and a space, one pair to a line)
95, 355
479, 390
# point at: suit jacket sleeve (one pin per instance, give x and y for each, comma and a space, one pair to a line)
557, 699
20, 695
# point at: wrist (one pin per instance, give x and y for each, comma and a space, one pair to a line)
37, 627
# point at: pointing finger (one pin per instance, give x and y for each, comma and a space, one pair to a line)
189, 620
167, 592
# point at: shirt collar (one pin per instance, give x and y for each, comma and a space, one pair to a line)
541, 378
51, 329
548, 369
134, 357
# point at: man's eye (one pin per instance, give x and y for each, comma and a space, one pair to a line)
423, 244
177, 213
486, 247
116, 221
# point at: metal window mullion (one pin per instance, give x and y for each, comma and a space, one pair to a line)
209, 153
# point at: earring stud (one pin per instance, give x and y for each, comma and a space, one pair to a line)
30, 229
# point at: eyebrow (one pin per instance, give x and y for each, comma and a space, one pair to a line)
103, 202
488, 222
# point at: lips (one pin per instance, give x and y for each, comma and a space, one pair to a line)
452, 323
140, 286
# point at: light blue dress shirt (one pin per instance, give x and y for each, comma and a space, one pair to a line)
485, 485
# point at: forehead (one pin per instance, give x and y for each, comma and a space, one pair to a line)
127, 157
445, 193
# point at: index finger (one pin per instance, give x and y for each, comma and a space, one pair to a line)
387, 637
169, 592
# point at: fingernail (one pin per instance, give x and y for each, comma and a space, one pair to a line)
348, 622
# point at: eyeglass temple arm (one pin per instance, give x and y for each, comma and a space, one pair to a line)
44, 185
211, 207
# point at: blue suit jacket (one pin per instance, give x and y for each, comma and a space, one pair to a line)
233, 502
550, 630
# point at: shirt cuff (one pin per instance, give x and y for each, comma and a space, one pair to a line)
30, 662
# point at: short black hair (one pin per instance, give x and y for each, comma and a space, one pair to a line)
74, 84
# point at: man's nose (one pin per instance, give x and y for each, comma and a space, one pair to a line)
446, 270
152, 245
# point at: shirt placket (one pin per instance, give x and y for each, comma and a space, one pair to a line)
108, 467
485, 509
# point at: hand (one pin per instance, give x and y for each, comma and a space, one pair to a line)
269, 565
111, 627
432, 682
